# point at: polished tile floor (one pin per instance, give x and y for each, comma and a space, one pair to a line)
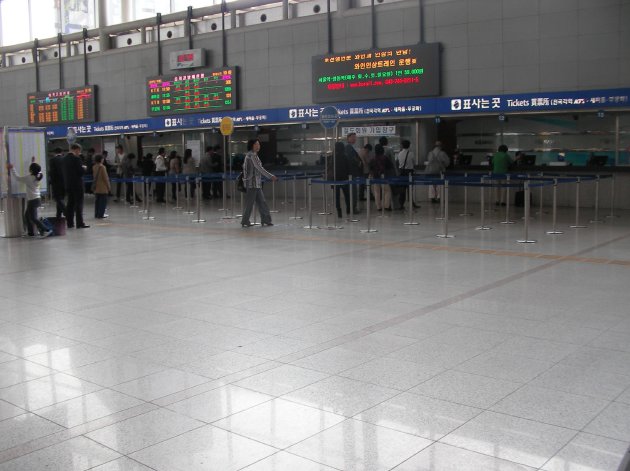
173, 346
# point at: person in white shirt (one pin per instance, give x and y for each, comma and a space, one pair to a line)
406, 162
160, 171
437, 161
32, 181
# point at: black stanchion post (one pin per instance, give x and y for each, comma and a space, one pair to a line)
526, 239
441, 217
148, 216
554, 209
177, 206
540, 195
188, 211
133, 194
273, 198
368, 214
411, 200
577, 224
482, 226
286, 183
305, 192
596, 219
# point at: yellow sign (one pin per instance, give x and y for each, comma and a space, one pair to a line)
227, 126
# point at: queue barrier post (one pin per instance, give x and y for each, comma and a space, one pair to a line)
295, 215
305, 191
273, 198
554, 210
199, 219
148, 216
445, 234
507, 202
526, 239
465, 212
369, 229
188, 211
411, 221
540, 196
441, 217
577, 224
596, 218
482, 225
286, 183
133, 194
351, 217
229, 187
612, 198
310, 205
145, 195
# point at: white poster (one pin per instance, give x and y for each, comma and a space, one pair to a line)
24, 147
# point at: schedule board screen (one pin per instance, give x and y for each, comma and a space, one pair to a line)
65, 106
392, 72
192, 92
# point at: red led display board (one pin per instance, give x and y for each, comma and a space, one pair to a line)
391, 72
192, 92
69, 105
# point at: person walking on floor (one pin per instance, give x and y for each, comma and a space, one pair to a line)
253, 172
32, 181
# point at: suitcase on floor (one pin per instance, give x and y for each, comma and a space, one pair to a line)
58, 226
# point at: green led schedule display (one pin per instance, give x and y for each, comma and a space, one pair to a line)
385, 73
70, 105
192, 92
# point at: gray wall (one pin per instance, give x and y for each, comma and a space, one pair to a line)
490, 46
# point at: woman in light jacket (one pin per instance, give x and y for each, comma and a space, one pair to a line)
102, 187
253, 172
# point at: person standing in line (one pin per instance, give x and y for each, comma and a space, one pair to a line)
381, 167
118, 165
217, 167
437, 163
389, 154
253, 171
32, 181
147, 168
406, 162
340, 173
355, 166
366, 155
189, 170
101, 187
89, 162
174, 169
73, 171
205, 167
160, 171
128, 171
500, 166
55, 177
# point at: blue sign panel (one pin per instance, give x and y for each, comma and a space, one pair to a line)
329, 117
442, 106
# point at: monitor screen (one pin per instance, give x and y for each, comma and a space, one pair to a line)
65, 106
385, 73
192, 92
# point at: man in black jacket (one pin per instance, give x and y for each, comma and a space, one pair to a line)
73, 171
55, 176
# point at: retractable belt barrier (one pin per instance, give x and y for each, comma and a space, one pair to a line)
526, 182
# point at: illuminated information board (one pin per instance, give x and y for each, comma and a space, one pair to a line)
70, 105
392, 72
192, 92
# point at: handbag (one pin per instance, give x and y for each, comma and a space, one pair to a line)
240, 184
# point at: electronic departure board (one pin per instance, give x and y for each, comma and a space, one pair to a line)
192, 92
69, 105
392, 72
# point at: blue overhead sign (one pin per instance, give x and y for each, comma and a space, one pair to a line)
329, 117
443, 106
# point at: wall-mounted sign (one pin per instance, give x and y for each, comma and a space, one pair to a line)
362, 131
227, 126
187, 59
69, 105
393, 72
192, 92
329, 117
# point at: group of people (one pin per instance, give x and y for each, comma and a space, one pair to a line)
374, 162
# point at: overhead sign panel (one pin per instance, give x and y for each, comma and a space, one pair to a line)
192, 92
65, 106
385, 73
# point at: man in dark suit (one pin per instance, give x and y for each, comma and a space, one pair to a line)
73, 170
55, 176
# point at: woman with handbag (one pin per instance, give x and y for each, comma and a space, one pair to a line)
253, 172
100, 187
